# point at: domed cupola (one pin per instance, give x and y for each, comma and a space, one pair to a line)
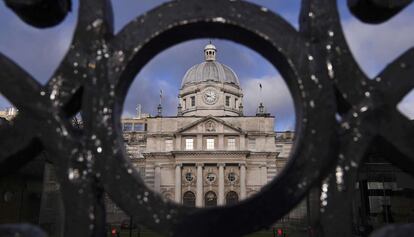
210, 88
210, 52
210, 70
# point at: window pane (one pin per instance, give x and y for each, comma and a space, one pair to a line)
210, 144
189, 144
192, 101
231, 143
127, 127
139, 127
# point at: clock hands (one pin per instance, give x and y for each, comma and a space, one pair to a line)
210, 96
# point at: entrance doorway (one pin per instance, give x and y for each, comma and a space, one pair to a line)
189, 199
210, 199
232, 198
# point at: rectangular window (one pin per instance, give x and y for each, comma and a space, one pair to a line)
184, 104
169, 145
210, 143
192, 100
139, 127
231, 143
252, 144
235, 103
189, 144
227, 100
376, 203
127, 127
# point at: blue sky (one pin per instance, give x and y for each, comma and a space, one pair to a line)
40, 51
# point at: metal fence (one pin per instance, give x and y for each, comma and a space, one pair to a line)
340, 111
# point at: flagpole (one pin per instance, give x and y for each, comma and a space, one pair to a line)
260, 94
159, 108
160, 96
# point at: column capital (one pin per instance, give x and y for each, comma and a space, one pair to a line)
179, 165
199, 164
221, 164
242, 164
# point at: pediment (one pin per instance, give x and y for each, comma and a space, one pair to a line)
210, 124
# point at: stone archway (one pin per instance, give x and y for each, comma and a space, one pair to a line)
232, 198
210, 199
189, 199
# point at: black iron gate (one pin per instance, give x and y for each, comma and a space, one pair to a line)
340, 111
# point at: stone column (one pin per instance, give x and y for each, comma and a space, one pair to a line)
242, 181
263, 171
220, 200
199, 195
157, 178
178, 183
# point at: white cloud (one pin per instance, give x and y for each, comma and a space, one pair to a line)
38, 51
375, 46
275, 96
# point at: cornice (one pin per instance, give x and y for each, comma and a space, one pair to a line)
211, 153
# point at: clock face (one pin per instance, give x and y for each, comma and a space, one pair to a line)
210, 96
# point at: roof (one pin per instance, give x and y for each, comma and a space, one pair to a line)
209, 117
210, 71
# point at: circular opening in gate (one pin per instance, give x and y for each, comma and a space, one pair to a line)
215, 108
289, 53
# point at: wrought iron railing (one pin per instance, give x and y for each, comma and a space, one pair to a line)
94, 76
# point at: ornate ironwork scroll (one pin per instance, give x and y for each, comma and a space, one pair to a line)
94, 77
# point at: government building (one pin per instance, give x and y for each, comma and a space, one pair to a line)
210, 153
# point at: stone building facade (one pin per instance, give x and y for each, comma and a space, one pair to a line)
210, 153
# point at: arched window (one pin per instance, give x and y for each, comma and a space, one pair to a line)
210, 199
189, 199
232, 198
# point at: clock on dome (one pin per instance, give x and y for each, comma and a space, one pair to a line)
213, 85
210, 96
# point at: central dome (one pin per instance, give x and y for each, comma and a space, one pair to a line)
210, 70
210, 88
